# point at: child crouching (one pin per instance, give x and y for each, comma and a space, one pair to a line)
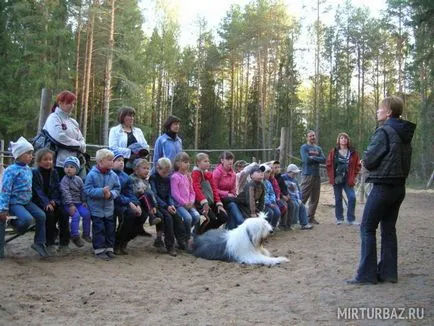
102, 188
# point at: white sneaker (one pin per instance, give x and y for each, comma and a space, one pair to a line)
306, 227
354, 223
339, 222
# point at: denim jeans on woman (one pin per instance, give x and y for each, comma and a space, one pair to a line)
25, 215
382, 207
339, 209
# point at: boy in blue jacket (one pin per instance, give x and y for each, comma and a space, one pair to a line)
127, 208
102, 188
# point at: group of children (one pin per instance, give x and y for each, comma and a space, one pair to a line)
178, 202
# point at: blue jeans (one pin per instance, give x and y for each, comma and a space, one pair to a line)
351, 195
235, 216
382, 207
103, 233
298, 210
273, 214
83, 212
190, 218
25, 215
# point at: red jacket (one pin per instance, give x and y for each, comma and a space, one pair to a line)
353, 167
225, 181
197, 176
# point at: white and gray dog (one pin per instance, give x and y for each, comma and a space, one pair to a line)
243, 244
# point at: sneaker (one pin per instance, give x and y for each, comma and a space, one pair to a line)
77, 241
287, 228
143, 233
171, 252
339, 222
158, 243
155, 221
110, 254
202, 219
87, 238
306, 227
40, 249
201, 227
102, 256
354, 223
64, 250
312, 220
52, 250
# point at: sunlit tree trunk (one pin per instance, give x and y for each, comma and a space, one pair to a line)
108, 75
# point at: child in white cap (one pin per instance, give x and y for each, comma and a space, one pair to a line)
16, 195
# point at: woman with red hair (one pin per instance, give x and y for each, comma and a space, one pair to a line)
65, 130
343, 165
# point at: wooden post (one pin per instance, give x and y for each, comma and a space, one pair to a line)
45, 108
283, 145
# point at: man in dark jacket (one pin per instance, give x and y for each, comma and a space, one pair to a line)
387, 159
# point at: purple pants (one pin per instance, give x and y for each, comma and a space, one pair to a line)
82, 211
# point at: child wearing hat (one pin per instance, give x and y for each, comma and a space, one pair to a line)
16, 195
298, 209
74, 201
47, 196
251, 200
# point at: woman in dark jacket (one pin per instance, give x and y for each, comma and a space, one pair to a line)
343, 165
387, 159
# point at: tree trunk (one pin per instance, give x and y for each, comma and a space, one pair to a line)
77, 57
108, 75
90, 29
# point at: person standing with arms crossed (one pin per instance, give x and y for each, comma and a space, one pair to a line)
388, 159
311, 156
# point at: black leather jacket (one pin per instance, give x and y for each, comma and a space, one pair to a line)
388, 156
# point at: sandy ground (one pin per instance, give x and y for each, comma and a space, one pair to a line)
152, 288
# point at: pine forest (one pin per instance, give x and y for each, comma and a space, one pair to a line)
237, 87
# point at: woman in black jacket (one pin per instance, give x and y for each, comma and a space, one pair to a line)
387, 159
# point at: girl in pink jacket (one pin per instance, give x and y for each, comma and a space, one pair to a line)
182, 191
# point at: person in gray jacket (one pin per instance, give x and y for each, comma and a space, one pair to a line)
72, 189
102, 187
